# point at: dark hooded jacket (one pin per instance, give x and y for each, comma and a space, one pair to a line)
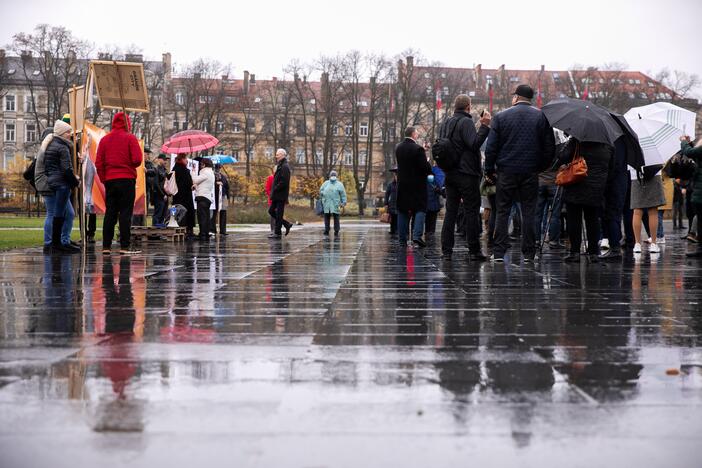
57, 164
119, 153
600, 162
467, 141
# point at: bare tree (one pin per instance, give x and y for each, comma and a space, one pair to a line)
681, 83
52, 62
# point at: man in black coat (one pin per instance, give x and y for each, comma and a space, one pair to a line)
412, 171
520, 145
279, 194
463, 181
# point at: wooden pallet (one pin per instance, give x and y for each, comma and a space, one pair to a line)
144, 233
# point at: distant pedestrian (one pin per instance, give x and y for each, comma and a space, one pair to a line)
118, 156
695, 152
184, 197
412, 171
58, 178
203, 184
280, 192
519, 146
333, 197
463, 182
434, 204
391, 202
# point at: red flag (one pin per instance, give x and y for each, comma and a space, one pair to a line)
539, 100
439, 103
490, 95
586, 93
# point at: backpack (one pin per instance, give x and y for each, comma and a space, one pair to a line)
170, 186
28, 174
444, 151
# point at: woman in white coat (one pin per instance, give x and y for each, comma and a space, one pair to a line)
203, 184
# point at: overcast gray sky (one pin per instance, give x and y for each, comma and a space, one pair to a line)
263, 35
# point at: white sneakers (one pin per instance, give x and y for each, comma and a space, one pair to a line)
653, 248
604, 244
661, 240
637, 248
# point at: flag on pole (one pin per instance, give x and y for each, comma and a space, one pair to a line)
439, 103
586, 93
539, 100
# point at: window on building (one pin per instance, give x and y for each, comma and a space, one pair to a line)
10, 102
363, 103
363, 130
9, 158
220, 127
668, 96
335, 129
300, 128
362, 158
631, 81
10, 133
514, 79
319, 128
651, 85
556, 76
348, 158
427, 75
632, 96
300, 156
179, 99
318, 157
445, 91
219, 151
443, 75
205, 127
29, 104
348, 130
229, 99
637, 82
30, 132
206, 99
184, 125
236, 126
267, 124
429, 90
601, 80
235, 153
471, 93
269, 152
643, 95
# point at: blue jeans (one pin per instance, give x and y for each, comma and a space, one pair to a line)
544, 199
68, 215
403, 221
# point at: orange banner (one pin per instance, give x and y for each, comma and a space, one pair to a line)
93, 188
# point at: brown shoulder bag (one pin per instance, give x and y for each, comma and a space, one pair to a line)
573, 172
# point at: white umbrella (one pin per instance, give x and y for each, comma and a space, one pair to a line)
668, 113
659, 141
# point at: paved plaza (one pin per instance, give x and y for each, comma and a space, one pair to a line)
319, 351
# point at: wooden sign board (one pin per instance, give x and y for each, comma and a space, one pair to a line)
76, 107
120, 85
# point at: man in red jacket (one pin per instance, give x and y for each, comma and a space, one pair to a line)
118, 156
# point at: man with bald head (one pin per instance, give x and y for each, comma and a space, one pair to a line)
279, 194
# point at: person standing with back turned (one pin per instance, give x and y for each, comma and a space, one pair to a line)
520, 145
118, 156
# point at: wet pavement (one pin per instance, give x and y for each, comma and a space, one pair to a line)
347, 352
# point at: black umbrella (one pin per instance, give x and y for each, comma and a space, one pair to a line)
583, 120
634, 153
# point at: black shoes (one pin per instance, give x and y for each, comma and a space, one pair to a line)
611, 255
419, 243
287, 228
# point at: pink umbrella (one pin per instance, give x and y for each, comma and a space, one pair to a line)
189, 141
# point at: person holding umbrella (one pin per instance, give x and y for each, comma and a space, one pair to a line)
695, 152
586, 197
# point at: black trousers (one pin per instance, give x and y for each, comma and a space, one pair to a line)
119, 201
277, 210
327, 221
393, 223
91, 221
203, 215
513, 188
430, 222
575, 227
467, 188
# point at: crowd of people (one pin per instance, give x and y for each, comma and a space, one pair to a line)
508, 165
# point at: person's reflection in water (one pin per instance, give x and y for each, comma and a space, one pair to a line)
120, 413
280, 297
411, 311
59, 297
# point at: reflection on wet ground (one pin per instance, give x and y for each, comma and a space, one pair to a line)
347, 352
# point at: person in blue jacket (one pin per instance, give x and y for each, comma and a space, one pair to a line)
333, 197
